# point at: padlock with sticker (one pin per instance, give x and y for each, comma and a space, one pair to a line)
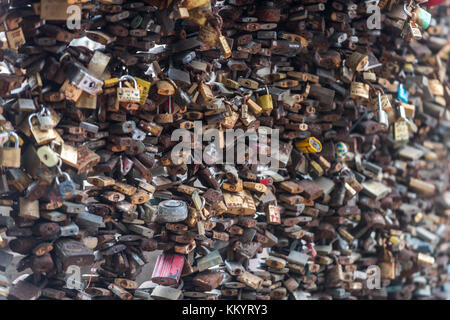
128, 94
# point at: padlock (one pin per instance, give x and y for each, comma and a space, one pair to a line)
172, 211
310, 145
401, 130
47, 156
15, 38
81, 78
224, 47
166, 293
168, 269
411, 31
359, 90
29, 209
423, 18
382, 114
265, 101
210, 260
10, 157
208, 35
128, 94
67, 153
65, 188
45, 120
357, 61
41, 137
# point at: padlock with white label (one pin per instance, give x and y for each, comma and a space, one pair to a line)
128, 94
81, 78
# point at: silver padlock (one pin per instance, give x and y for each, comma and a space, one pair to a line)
166, 293
45, 120
69, 230
81, 78
65, 188
172, 211
210, 260
382, 115
89, 221
138, 135
295, 256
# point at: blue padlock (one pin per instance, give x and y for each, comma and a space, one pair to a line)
402, 93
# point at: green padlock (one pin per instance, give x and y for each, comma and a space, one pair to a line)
423, 18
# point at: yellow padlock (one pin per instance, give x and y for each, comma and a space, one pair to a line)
224, 47
265, 101
309, 145
199, 14
108, 83
144, 88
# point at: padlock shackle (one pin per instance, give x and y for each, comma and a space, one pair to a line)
127, 77
54, 142
408, 13
44, 111
31, 117
16, 139
65, 174
59, 165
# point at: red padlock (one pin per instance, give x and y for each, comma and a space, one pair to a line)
266, 182
168, 269
432, 3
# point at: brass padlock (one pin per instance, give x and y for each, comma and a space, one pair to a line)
359, 90
411, 31
165, 88
41, 136
128, 94
265, 101
10, 157
401, 128
15, 38
224, 47
67, 153
208, 35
